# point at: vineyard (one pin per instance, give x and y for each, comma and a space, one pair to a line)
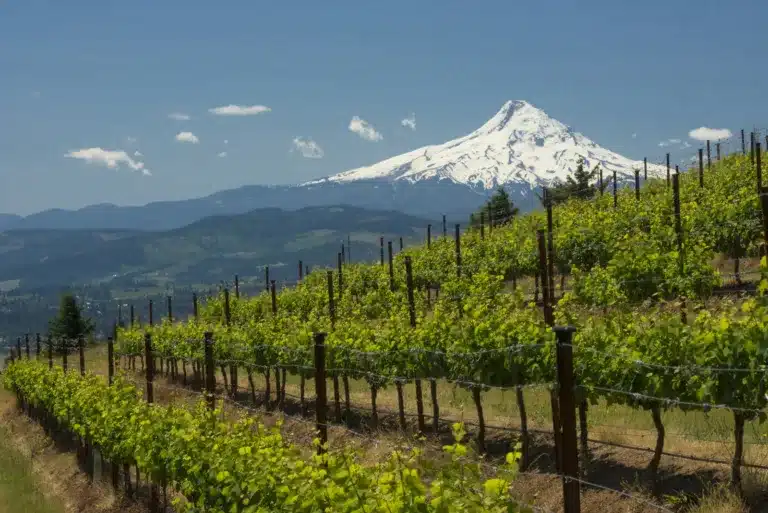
649, 330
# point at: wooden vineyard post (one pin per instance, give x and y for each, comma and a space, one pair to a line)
341, 274
237, 287
381, 249
709, 156
81, 347
759, 168
549, 319
266, 278
457, 237
391, 267
645, 169
301, 270
110, 360
668, 171
679, 233
743, 143
551, 251
321, 407
764, 208
752, 147
412, 318
343, 254
37, 344
445, 227
717, 151
637, 184
429, 236
150, 377
332, 315
401, 243
540, 237
331, 306
615, 191
228, 322
26, 344
569, 448
150, 367
701, 168
273, 292
169, 301
194, 305
18, 347
133, 316
151, 313
210, 377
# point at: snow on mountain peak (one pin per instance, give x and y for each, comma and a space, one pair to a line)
520, 144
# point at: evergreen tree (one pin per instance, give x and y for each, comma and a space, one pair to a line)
578, 185
500, 207
69, 324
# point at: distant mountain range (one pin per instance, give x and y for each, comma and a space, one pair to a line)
520, 147
202, 253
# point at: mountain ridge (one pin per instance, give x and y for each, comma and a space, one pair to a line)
520, 148
519, 145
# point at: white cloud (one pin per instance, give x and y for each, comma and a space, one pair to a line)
308, 148
669, 142
179, 116
709, 134
634, 136
226, 141
364, 129
223, 154
137, 153
685, 145
409, 122
113, 159
239, 110
187, 137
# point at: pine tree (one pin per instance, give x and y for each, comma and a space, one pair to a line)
500, 207
69, 324
578, 185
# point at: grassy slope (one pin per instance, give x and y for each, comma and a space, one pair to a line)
20, 490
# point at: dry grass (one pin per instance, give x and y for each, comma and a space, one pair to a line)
54, 475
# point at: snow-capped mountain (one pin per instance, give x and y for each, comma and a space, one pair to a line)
521, 144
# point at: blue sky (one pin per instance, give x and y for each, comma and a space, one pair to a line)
107, 74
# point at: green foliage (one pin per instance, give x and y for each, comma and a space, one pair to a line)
580, 185
223, 467
69, 325
498, 210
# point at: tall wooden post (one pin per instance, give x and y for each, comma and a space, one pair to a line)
210, 377
321, 393
391, 267
569, 450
